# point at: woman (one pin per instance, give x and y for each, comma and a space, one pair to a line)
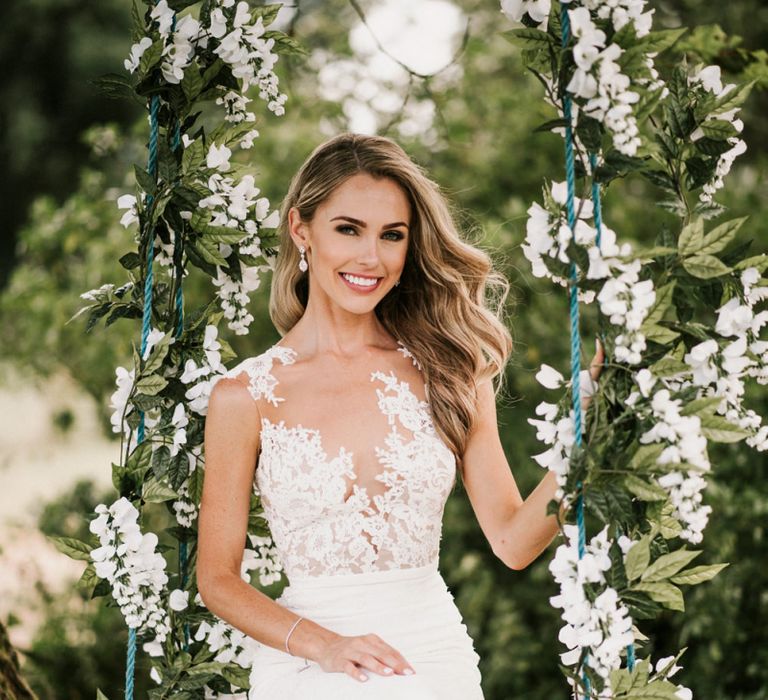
359, 419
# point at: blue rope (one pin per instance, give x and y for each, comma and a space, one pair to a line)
574, 300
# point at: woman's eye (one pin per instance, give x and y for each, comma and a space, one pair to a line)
396, 235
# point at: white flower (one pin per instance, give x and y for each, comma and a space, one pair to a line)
549, 377
178, 599
164, 16
537, 10
137, 51
131, 216
218, 157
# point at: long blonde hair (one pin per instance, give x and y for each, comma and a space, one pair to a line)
448, 309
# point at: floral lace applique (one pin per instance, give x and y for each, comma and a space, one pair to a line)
315, 528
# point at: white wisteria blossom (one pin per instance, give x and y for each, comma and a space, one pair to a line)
603, 626
263, 557
598, 81
684, 445
131, 216
128, 560
626, 301
709, 79
537, 10
137, 51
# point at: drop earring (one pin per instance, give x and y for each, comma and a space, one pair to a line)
303, 262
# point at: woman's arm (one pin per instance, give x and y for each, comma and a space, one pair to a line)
232, 436
518, 530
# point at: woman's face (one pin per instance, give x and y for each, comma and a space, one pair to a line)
356, 243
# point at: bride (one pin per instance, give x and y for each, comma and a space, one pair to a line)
352, 429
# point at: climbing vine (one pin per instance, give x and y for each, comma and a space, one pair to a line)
681, 323
194, 210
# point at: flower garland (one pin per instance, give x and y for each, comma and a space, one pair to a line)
687, 378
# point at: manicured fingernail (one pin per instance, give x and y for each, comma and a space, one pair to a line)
387, 669
363, 677
409, 672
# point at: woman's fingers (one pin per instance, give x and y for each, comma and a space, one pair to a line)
371, 662
393, 658
596, 366
352, 670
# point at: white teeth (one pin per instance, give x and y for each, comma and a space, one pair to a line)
361, 281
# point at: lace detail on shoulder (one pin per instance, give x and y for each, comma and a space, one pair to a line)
259, 369
407, 353
317, 531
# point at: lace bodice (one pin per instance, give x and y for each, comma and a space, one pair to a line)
328, 514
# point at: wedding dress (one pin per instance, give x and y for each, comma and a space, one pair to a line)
360, 552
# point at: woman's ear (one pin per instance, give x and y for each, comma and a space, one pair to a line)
297, 228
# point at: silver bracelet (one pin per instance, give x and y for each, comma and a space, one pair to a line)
290, 632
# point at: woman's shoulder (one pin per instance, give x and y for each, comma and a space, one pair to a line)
256, 373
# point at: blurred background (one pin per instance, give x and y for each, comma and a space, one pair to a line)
437, 76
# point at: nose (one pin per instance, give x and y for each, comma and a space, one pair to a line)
368, 253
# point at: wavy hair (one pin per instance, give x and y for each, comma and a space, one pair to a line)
448, 309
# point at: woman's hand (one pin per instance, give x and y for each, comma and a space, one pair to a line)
589, 378
351, 655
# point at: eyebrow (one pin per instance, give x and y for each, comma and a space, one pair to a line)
363, 224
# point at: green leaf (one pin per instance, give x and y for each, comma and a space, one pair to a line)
760, 262
73, 548
158, 354
656, 252
114, 86
88, 580
641, 607
192, 82
661, 40
139, 460
656, 690
100, 695
712, 147
646, 455
191, 159
719, 237
668, 367
705, 266
698, 574
660, 334
237, 676
733, 98
155, 491
151, 384
144, 179
662, 303
151, 57
644, 490
209, 251
529, 37
718, 429
206, 667
637, 558
718, 129
268, 13
669, 564
691, 237
667, 594
704, 405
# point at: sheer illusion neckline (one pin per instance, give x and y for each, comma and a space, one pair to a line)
317, 524
405, 400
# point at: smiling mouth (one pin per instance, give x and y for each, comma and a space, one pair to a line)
360, 283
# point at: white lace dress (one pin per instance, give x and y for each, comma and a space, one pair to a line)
358, 533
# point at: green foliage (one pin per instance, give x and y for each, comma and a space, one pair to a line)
493, 165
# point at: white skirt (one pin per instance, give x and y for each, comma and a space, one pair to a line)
410, 609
